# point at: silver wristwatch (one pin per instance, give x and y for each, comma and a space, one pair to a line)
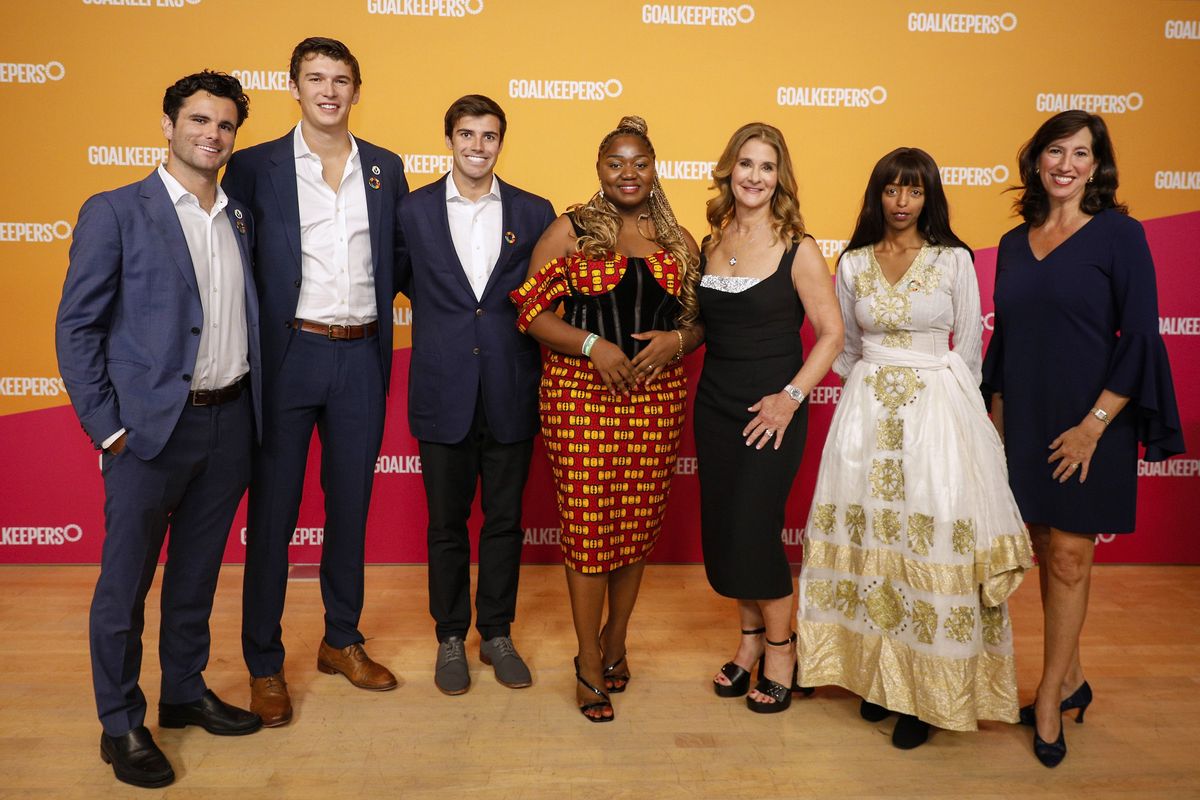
794, 393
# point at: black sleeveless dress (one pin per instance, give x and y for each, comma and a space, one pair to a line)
752, 349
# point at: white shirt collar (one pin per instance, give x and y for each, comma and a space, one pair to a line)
453, 195
176, 190
301, 149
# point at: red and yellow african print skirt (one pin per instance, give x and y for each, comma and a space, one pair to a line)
612, 459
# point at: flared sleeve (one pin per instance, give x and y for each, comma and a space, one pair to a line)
968, 323
1139, 368
540, 292
1001, 563
852, 343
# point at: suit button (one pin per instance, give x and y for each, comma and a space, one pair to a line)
479, 312
195, 331
296, 283
475, 350
187, 377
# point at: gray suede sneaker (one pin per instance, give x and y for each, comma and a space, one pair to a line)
502, 654
450, 674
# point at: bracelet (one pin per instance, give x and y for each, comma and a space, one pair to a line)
589, 343
794, 392
679, 352
1102, 415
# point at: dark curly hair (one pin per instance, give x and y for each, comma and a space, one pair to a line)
1101, 192
323, 46
217, 84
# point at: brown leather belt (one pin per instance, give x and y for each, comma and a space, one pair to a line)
215, 397
337, 331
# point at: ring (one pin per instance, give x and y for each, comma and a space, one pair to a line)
1073, 466
768, 434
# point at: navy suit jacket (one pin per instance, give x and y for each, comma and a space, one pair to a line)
128, 326
462, 345
264, 178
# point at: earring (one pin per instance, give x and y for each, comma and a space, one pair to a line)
1091, 178
1037, 170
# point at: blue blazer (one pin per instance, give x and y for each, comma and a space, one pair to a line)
461, 345
128, 326
264, 178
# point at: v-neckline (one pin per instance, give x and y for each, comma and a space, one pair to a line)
879, 267
1056, 247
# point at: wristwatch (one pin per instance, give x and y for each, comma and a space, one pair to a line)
1101, 414
795, 393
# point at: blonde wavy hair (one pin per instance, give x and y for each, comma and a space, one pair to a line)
601, 223
785, 207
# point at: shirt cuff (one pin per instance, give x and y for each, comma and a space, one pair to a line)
107, 443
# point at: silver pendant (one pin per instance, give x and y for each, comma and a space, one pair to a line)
733, 261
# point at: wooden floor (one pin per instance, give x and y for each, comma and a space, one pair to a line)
672, 738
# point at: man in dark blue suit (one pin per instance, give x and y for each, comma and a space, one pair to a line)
157, 338
325, 204
473, 384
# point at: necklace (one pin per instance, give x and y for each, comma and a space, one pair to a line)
733, 260
638, 225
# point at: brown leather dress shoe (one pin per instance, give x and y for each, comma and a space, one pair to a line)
356, 665
269, 699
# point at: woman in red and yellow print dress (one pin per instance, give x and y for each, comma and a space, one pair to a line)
613, 390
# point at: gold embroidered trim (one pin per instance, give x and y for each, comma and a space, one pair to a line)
960, 624
887, 479
920, 533
889, 433
885, 524
856, 522
820, 594
885, 606
824, 518
963, 536
925, 621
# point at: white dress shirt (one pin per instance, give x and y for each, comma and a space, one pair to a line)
338, 286
475, 228
220, 278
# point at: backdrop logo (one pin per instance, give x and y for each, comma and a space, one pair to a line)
832, 248
16, 386
42, 536
11, 72
685, 170
300, 536
791, 536
143, 3
543, 535
36, 232
1177, 179
686, 465
1182, 29
714, 16
534, 89
1054, 102
102, 155
974, 176
1179, 326
402, 317
828, 97
825, 395
262, 80
1173, 468
426, 163
398, 465
425, 8
938, 22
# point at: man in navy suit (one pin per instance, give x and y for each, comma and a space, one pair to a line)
473, 384
157, 338
324, 204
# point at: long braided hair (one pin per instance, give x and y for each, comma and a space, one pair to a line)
601, 224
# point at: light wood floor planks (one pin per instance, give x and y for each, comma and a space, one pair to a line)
672, 738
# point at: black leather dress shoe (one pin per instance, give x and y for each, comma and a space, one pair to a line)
210, 713
136, 759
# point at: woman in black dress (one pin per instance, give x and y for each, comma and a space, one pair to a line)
1079, 376
763, 276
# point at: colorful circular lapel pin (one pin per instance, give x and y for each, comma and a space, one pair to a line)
373, 182
510, 237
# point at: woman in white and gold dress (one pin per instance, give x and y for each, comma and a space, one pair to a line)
914, 540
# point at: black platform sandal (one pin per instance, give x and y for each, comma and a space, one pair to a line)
739, 676
780, 694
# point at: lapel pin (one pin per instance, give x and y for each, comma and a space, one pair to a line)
374, 169
237, 212
373, 182
510, 237
241, 226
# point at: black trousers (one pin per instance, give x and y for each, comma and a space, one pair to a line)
451, 473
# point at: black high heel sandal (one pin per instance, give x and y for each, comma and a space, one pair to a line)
610, 674
1081, 699
739, 676
600, 704
780, 694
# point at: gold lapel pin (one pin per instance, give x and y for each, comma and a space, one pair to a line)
510, 237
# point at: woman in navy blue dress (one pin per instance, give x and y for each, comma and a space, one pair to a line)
1079, 376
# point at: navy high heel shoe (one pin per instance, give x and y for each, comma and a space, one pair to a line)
1050, 754
1081, 699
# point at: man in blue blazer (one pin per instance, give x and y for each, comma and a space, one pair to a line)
157, 339
473, 384
324, 204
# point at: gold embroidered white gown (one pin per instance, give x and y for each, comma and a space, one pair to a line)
914, 540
